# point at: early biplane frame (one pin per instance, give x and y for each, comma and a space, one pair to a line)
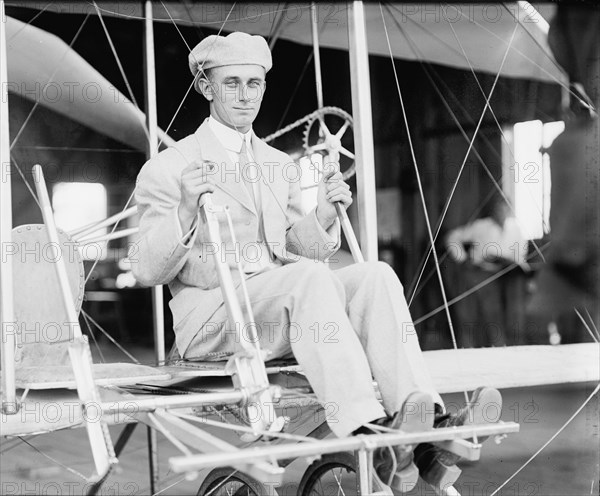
251, 393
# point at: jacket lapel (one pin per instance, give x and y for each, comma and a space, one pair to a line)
272, 184
228, 178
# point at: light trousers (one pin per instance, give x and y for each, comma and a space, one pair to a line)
344, 328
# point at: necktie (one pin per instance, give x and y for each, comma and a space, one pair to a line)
250, 177
247, 172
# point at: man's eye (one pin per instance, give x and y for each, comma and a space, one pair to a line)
231, 84
253, 84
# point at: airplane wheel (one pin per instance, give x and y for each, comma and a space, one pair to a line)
332, 475
228, 482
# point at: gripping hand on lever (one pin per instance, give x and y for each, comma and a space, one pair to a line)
196, 179
331, 189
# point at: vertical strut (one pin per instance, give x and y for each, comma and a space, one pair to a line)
158, 315
7, 315
363, 129
314, 16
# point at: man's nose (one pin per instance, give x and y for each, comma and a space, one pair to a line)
243, 93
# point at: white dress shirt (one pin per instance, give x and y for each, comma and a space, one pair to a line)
232, 141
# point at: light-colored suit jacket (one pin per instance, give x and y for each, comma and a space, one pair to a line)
162, 256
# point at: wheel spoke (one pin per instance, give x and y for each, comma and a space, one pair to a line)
342, 130
317, 147
348, 153
324, 127
339, 483
321, 486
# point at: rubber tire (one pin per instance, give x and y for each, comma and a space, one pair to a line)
216, 476
324, 464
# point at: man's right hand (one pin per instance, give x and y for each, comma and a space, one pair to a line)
196, 179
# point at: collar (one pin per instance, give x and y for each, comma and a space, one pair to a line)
229, 138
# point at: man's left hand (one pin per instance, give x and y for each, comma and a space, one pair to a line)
332, 189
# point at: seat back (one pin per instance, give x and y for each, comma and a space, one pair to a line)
43, 329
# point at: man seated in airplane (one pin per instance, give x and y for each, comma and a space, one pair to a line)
344, 327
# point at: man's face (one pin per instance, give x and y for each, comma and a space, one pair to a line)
238, 91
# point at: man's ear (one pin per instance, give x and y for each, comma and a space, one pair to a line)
205, 87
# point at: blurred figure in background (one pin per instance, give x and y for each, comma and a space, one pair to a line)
493, 314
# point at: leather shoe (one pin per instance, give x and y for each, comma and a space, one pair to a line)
394, 464
437, 466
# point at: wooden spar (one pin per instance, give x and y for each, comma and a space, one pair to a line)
7, 315
158, 313
79, 352
180, 464
314, 25
123, 233
342, 214
84, 231
363, 129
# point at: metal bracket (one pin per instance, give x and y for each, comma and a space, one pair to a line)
461, 447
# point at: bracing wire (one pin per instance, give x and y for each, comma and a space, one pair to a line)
37, 102
119, 64
499, 488
54, 460
29, 22
90, 330
533, 62
470, 291
110, 338
421, 191
502, 134
586, 325
425, 258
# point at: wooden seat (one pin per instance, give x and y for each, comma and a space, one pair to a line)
105, 374
43, 330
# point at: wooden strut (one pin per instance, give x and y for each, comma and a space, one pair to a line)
367, 442
79, 351
8, 342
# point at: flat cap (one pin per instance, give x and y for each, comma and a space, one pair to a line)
233, 49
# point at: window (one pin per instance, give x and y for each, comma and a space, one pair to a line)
526, 178
78, 204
